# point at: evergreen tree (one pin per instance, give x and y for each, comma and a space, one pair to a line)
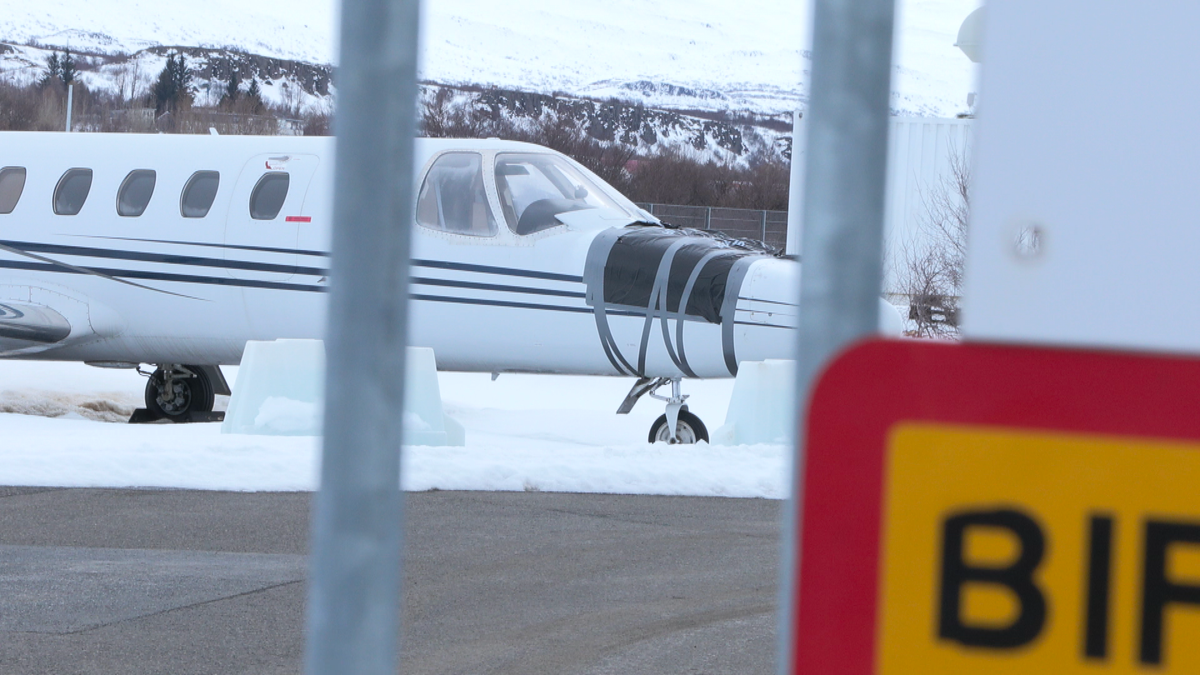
232, 91
254, 95
66, 68
173, 90
164, 89
53, 70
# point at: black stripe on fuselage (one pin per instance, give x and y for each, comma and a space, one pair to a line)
454, 283
762, 325
507, 303
236, 247
418, 262
281, 286
497, 303
487, 269
143, 256
501, 287
771, 302
161, 276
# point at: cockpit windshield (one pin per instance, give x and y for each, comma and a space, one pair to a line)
534, 188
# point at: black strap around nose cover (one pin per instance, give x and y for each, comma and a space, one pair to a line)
667, 273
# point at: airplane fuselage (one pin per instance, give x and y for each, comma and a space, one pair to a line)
143, 266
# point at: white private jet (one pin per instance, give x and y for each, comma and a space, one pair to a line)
118, 250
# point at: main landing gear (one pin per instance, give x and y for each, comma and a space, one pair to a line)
181, 393
677, 425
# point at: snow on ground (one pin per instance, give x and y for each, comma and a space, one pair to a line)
524, 432
745, 55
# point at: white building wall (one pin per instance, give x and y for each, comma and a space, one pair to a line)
921, 151
920, 157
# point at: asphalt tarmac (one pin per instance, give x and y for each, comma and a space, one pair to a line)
179, 582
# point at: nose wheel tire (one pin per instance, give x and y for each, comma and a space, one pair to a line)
177, 394
688, 429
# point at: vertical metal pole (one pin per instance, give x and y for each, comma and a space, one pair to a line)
845, 173
795, 222
70, 104
764, 225
354, 588
708, 218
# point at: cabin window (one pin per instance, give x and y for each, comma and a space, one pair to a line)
453, 199
12, 184
72, 191
268, 196
135, 192
534, 188
199, 194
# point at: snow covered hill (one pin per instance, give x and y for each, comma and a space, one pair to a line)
707, 55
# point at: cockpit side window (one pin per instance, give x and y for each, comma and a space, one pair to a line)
534, 188
12, 184
453, 198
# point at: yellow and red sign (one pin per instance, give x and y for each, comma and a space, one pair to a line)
985, 509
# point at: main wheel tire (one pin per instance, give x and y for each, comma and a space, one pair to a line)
185, 395
688, 429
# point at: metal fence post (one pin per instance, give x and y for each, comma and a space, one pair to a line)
764, 225
845, 171
795, 210
708, 218
354, 587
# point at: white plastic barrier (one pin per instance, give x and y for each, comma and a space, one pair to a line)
762, 408
424, 421
280, 389
891, 323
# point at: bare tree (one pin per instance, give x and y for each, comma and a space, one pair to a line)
293, 101
948, 211
932, 303
932, 272
444, 117
135, 80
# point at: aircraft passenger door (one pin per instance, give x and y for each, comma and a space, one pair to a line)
266, 212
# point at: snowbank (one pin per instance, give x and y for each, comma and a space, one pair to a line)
524, 432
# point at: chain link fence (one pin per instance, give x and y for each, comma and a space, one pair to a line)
766, 226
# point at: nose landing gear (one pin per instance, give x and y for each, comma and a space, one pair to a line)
676, 425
